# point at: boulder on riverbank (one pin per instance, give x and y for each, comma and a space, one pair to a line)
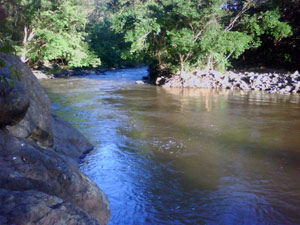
270, 82
38, 156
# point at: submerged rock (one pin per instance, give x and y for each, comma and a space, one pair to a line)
41, 76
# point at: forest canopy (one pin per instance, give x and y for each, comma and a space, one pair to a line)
175, 35
46, 30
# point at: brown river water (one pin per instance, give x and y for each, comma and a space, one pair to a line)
174, 156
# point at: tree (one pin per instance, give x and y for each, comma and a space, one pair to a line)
183, 34
46, 30
280, 52
105, 42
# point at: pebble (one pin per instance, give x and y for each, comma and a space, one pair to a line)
140, 82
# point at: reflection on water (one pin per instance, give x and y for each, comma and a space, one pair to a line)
186, 156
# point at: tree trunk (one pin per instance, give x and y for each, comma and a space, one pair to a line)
209, 64
159, 59
181, 64
27, 38
23, 57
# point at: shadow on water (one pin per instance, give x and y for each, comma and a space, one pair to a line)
174, 156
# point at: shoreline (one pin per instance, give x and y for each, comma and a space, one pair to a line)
273, 82
66, 73
41, 74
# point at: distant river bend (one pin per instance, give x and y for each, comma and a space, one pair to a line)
184, 156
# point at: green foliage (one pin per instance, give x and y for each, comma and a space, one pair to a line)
46, 30
109, 46
178, 35
6, 48
280, 44
187, 33
273, 26
5, 45
2, 64
268, 23
15, 74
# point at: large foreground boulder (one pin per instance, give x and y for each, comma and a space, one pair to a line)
28, 167
38, 124
40, 183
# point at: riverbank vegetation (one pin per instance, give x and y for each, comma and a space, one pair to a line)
172, 35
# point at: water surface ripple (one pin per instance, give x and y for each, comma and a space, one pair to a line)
173, 156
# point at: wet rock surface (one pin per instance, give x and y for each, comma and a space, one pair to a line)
25, 166
69, 141
40, 209
14, 104
38, 155
270, 82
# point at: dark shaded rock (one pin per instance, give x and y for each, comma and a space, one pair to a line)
14, 104
69, 141
157, 75
37, 153
33, 208
27, 167
160, 81
246, 79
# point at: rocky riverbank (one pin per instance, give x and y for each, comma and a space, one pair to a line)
41, 74
269, 82
40, 182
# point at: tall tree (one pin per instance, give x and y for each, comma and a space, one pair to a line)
46, 30
281, 51
190, 33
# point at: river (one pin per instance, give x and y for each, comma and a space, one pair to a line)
180, 156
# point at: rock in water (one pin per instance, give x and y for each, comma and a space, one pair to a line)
139, 82
40, 75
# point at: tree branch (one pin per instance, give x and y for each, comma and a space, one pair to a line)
200, 32
245, 8
25, 34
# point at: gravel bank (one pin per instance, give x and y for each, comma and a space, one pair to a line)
270, 82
